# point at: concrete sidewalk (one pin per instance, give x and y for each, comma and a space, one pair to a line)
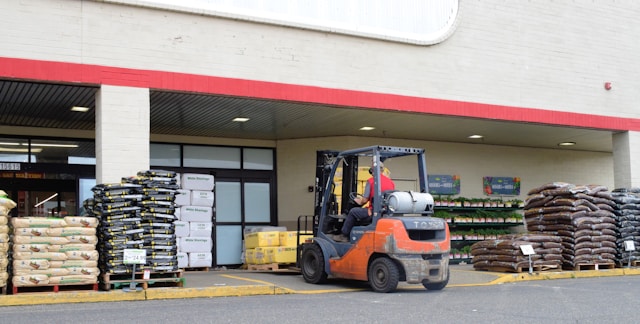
206, 284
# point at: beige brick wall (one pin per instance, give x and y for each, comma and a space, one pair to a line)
542, 54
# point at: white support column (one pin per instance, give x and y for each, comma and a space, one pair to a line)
122, 132
626, 160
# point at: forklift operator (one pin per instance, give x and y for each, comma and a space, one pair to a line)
361, 213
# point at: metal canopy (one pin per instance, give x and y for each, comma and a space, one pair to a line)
45, 105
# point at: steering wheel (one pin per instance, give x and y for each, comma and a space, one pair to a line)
353, 196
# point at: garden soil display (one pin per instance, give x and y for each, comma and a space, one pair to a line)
54, 251
6, 205
582, 216
137, 213
628, 217
505, 254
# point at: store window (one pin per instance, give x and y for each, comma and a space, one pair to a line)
167, 155
257, 159
257, 202
212, 157
14, 150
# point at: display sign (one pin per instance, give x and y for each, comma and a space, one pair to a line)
629, 246
507, 186
10, 166
444, 184
527, 249
135, 256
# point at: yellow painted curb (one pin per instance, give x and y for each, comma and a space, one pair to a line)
218, 291
70, 297
515, 277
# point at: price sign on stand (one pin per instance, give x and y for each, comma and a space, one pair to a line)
527, 249
629, 246
133, 257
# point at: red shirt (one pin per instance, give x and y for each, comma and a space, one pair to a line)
385, 184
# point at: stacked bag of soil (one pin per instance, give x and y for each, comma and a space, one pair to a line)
54, 251
582, 216
505, 254
159, 189
628, 217
6, 205
137, 213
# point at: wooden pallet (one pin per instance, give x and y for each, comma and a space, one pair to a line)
196, 269
53, 288
270, 267
592, 266
156, 279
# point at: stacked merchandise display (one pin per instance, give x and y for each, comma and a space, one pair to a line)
194, 228
270, 247
137, 213
6, 205
582, 216
54, 251
505, 254
628, 218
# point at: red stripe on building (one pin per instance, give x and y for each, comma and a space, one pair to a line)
47, 71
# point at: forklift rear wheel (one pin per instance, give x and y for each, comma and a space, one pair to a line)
436, 285
383, 275
312, 266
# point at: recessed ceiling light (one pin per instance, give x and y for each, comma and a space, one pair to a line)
367, 128
566, 143
476, 136
80, 109
240, 119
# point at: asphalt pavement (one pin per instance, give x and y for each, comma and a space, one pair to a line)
223, 283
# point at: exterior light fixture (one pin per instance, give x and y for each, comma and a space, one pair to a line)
367, 128
79, 109
240, 119
475, 136
566, 143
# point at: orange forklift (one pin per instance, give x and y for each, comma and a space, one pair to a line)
402, 242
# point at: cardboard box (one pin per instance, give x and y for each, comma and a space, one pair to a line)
290, 238
280, 254
195, 181
181, 228
200, 228
183, 259
200, 259
196, 214
261, 239
259, 256
183, 197
250, 256
195, 244
202, 198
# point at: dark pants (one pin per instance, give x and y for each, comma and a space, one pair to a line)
355, 214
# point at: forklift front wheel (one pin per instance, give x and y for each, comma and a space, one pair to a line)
312, 265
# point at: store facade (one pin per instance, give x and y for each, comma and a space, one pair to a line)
160, 79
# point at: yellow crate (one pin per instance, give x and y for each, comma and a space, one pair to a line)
250, 256
289, 238
262, 239
260, 256
280, 254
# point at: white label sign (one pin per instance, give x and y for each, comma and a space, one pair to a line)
135, 256
629, 246
527, 249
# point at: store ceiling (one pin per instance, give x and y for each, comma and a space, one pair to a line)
48, 105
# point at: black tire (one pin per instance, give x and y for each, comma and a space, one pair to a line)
436, 285
312, 265
383, 275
